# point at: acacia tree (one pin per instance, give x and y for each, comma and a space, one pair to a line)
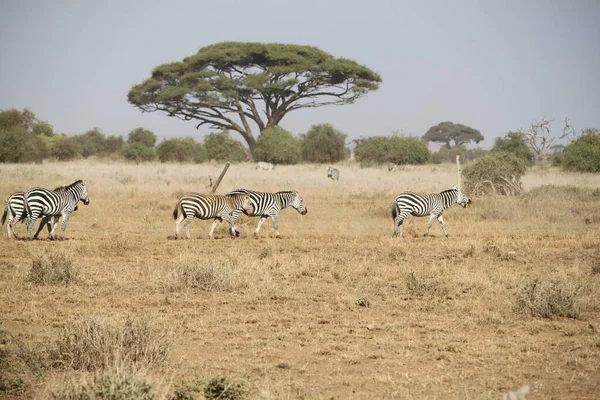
448, 132
234, 85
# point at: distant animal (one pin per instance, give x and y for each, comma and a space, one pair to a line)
14, 209
215, 207
50, 203
421, 205
269, 205
264, 166
333, 173
392, 167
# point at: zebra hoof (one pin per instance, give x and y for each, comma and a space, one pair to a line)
236, 233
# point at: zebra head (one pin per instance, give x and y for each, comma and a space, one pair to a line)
461, 198
79, 188
298, 203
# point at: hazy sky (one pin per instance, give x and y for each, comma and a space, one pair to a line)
493, 65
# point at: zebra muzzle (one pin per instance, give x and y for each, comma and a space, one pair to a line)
86, 201
304, 212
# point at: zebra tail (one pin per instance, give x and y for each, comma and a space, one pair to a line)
175, 211
4, 214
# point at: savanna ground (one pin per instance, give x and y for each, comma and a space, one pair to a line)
336, 308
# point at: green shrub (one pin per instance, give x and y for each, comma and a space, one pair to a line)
497, 173
220, 146
323, 144
515, 143
66, 148
92, 143
114, 144
583, 154
396, 149
143, 136
17, 145
138, 152
42, 128
277, 146
181, 150
54, 269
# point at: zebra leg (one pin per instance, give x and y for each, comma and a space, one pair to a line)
275, 220
64, 224
30, 222
212, 228
441, 221
188, 222
232, 232
45, 222
177, 222
431, 219
54, 226
262, 221
398, 221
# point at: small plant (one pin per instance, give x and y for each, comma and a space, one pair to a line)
224, 388
419, 287
207, 275
596, 267
19, 365
362, 302
547, 299
113, 384
52, 270
264, 253
186, 390
95, 344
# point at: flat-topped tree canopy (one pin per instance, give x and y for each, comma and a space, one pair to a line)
448, 132
229, 85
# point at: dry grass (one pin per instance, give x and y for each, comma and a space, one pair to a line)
337, 307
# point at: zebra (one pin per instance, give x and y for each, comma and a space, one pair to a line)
14, 209
421, 205
217, 207
269, 205
392, 167
333, 173
50, 203
264, 166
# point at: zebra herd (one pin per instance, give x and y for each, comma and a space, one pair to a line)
62, 202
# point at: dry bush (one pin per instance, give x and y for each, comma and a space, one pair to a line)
418, 286
547, 299
19, 365
113, 384
95, 344
225, 388
54, 269
203, 274
596, 267
496, 173
562, 193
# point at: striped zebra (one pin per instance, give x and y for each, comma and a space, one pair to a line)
216, 207
269, 205
421, 205
264, 166
50, 203
14, 209
333, 173
392, 167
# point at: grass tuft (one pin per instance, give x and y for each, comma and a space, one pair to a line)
547, 299
207, 275
54, 269
96, 344
225, 388
418, 286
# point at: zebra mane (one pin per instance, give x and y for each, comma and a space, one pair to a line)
77, 182
453, 190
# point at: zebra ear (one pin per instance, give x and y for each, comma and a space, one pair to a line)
454, 187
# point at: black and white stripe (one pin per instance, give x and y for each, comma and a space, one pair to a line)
421, 205
333, 173
51, 203
216, 207
269, 205
14, 209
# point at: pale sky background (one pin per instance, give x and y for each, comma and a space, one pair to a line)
493, 65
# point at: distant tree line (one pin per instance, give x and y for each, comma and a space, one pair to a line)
24, 138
